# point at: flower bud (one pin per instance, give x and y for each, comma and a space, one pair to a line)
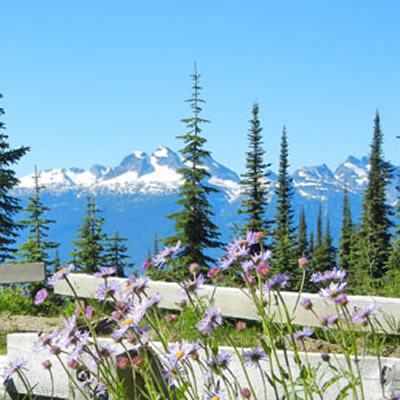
303, 262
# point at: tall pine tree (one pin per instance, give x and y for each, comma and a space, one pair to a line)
302, 247
283, 237
346, 233
88, 253
115, 254
254, 182
193, 225
376, 212
9, 205
37, 246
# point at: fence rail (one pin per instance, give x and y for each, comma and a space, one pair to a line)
22, 273
236, 303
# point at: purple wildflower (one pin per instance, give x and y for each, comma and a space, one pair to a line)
217, 394
330, 275
107, 289
211, 321
303, 262
105, 272
327, 321
361, 317
194, 285
306, 332
342, 299
393, 396
333, 290
222, 360
60, 274
168, 252
277, 282
263, 269
254, 356
46, 364
14, 367
194, 268
41, 296
214, 274
178, 352
306, 304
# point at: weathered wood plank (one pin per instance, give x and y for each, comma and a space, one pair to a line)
21, 345
235, 302
22, 273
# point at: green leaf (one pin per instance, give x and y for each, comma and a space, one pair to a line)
266, 348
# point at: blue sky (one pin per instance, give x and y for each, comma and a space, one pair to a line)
87, 82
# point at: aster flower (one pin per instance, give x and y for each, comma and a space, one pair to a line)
330, 275
341, 299
254, 356
146, 266
13, 368
306, 304
303, 262
193, 286
217, 394
327, 321
277, 282
333, 290
105, 272
306, 332
211, 321
215, 274
263, 269
41, 296
178, 352
107, 289
167, 253
221, 360
60, 274
393, 396
361, 316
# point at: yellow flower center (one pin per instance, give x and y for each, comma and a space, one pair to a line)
215, 398
179, 354
128, 321
128, 287
60, 271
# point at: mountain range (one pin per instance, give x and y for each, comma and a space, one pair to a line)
135, 196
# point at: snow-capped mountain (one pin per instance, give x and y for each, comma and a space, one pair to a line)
137, 173
135, 195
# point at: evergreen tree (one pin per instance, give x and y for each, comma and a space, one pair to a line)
283, 237
346, 233
115, 254
156, 248
88, 252
254, 182
302, 242
193, 225
9, 205
36, 248
329, 251
376, 212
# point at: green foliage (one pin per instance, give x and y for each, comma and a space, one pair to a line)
254, 181
16, 300
283, 237
9, 205
346, 234
376, 212
302, 247
193, 225
88, 253
36, 248
115, 254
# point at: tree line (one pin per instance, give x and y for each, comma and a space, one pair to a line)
369, 249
